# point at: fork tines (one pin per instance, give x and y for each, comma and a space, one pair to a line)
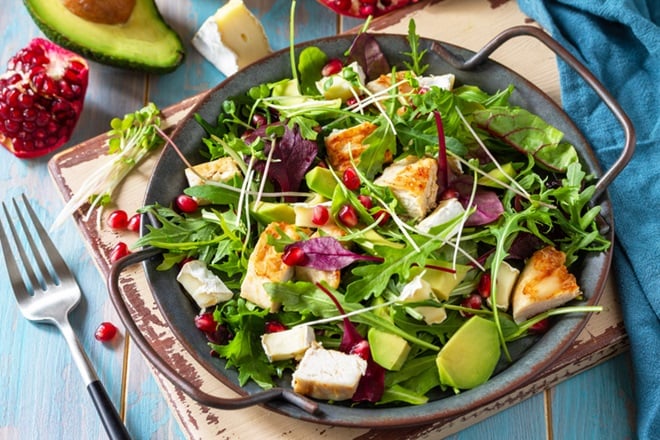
19, 261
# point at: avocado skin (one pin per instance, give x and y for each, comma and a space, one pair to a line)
143, 62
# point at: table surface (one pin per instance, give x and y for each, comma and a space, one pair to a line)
42, 393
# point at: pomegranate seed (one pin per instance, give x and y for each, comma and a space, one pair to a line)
105, 332
351, 101
332, 67
274, 327
342, 4
258, 120
219, 336
118, 219
382, 217
367, 10
294, 256
205, 322
484, 285
320, 215
119, 251
348, 216
134, 223
449, 193
185, 203
471, 302
351, 179
365, 201
362, 349
540, 327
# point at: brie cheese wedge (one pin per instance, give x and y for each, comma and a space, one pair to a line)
232, 38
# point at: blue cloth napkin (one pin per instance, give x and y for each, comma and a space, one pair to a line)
619, 41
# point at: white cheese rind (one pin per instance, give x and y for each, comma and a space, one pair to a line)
288, 344
232, 38
445, 82
418, 289
203, 286
446, 211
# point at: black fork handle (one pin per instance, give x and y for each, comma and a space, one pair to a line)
110, 418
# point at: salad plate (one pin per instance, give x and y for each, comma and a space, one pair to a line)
531, 355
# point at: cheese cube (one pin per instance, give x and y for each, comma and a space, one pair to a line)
418, 289
446, 211
288, 344
205, 287
445, 82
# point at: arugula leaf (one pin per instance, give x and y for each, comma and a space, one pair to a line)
371, 279
415, 54
381, 141
244, 350
306, 298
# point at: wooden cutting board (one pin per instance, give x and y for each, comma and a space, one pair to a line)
463, 22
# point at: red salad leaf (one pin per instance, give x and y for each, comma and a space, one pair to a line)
367, 53
443, 169
291, 159
487, 203
327, 253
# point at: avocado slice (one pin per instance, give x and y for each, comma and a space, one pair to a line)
471, 354
388, 350
143, 42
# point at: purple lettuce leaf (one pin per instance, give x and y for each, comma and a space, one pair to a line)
487, 203
327, 253
291, 159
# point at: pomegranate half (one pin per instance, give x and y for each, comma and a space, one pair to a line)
41, 98
365, 8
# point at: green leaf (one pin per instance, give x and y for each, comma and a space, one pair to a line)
310, 63
529, 134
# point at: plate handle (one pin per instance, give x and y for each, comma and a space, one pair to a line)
168, 371
531, 31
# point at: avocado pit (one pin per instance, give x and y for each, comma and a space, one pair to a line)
101, 11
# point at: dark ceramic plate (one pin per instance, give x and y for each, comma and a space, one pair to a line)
531, 356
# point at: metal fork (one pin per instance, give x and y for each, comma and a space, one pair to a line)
47, 296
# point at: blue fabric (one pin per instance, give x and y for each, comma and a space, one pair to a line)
619, 41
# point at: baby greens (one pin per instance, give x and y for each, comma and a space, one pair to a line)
521, 186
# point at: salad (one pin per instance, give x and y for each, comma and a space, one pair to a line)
377, 233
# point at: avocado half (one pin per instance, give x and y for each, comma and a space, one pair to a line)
144, 42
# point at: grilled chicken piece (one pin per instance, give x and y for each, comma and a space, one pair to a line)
413, 181
544, 283
328, 374
345, 145
265, 265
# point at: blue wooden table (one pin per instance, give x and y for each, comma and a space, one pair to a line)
41, 393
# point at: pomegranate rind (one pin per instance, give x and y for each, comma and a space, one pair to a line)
354, 10
41, 57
